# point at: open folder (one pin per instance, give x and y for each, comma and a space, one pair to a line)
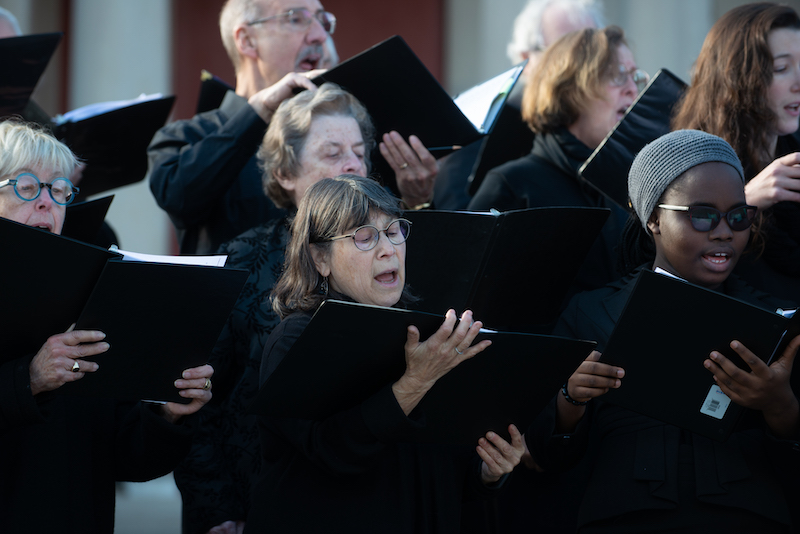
212, 92
85, 219
667, 330
512, 269
158, 318
401, 94
350, 351
112, 139
22, 62
648, 118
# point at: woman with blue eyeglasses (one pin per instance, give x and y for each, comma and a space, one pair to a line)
64, 454
692, 221
357, 471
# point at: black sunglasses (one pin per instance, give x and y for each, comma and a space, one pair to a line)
705, 219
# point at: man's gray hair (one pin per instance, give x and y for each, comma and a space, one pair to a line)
528, 36
234, 13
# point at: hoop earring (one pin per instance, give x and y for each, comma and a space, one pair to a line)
323, 287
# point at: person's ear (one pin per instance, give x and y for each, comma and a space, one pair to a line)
320, 257
245, 42
286, 182
653, 226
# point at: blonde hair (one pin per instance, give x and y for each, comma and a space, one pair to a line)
571, 71
24, 145
285, 139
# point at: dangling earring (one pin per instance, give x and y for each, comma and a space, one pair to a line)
323, 287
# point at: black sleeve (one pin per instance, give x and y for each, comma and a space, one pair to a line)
192, 163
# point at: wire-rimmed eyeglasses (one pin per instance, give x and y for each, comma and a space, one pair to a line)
301, 18
619, 77
367, 236
28, 187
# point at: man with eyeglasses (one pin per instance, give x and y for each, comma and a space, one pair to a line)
203, 171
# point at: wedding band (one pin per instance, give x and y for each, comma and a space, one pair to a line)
458, 351
207, 385
76, 367
403, 166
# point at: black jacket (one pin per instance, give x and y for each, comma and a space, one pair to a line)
548, 176
352, 473
203, 172
636, 464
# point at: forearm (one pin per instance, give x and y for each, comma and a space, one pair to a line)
784, 422
409, 393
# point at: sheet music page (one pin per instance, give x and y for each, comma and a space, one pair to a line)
92, 110
211, 261
480, 104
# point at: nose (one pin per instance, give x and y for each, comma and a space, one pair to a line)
44, 201
722, 232
353, 165
385, 248
630, 87
316, 33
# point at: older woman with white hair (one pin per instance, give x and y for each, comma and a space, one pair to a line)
66, 453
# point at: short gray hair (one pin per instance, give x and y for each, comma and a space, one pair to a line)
24, 145
664, 160
528, 36
285, 139
234, 13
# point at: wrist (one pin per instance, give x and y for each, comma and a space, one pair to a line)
571, 400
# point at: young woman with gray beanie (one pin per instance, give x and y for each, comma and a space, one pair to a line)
687, 191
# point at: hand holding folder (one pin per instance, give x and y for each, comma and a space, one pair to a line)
158, 318
354, 350
668, 328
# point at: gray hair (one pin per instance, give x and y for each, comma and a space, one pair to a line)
279, 154
9, 17
528, 36
664, 160
233, 14
24, 145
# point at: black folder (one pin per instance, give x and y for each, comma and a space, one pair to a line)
350, 351
667, 330
512, 269
48, 281
649, 118
85, 219
159, 320
401, 94
22, 61
212, 92
114, 144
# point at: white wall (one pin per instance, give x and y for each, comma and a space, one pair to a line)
120, 49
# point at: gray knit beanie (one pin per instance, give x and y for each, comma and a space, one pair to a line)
665, 159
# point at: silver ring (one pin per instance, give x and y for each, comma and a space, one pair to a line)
207, 385
404, 165
76, 367
457, 351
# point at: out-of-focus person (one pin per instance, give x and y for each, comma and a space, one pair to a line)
66, 453
746, 89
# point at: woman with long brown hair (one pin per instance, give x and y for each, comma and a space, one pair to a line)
746, 89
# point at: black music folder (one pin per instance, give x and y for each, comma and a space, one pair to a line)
159, 320
85, 219
401, 94
667, 330
350, 351
512, 269
113, 144
212, 91
48, 281
22, 62
648, 119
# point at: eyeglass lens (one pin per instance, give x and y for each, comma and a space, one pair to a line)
301, 18
28, 187
367, 237
706, 219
